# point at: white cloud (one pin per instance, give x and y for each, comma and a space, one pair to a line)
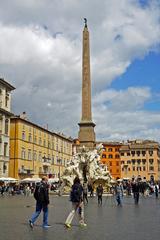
40, 53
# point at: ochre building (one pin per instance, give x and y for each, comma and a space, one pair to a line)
140, 158
36, 151
111, 157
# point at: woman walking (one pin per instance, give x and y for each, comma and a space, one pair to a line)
76, 197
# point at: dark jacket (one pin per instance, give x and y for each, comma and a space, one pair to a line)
99, 190
135, 187
41, 193
76, 193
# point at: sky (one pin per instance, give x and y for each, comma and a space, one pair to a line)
41, 55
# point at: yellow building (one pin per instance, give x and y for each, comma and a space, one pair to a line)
36, 151
140, 159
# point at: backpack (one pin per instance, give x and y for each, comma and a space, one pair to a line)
39, 193
76, 193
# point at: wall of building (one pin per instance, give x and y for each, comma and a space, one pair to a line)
140, 160
36, 151
5, 107
111, 158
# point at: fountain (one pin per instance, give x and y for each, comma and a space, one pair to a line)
87, 166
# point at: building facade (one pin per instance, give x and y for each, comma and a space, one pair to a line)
5, 114
111, 157
35, 151
140, 159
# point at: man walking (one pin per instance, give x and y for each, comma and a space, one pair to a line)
136, 190
99, 191
42, 200
119, 192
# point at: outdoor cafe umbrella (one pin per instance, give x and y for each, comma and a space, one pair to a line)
30, 180
8, 179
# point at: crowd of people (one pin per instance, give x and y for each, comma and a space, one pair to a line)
79, 197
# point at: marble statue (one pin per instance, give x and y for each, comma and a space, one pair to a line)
87, 166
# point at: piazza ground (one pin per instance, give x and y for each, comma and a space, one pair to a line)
106, 222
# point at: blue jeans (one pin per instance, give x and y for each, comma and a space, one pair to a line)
39, 208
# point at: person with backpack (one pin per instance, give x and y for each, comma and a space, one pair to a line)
42, 200
76, 197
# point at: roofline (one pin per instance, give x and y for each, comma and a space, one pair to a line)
110, 143
8, 85
29, 122
3, 111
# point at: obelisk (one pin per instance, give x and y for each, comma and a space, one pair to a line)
86, 133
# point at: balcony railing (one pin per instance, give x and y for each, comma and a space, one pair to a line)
26, 171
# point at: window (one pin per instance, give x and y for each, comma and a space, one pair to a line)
34, 155
52, 159
40, 141
6, 126
133, 153
5, 149
151, 168
29, 154
117, 163
6, 99
23, 136
23, 153
117, 170
150, 152
138, 153
109, 149
110, 163
44, 142
151, 161
103, 155
133, 168
116, 149
110, 156
29, 137
133, 161
122, 154
143, 153
144, 168
4, 167
128, 162
35, 139
138, 161
128, 154
40, 156
117, 156
144, 161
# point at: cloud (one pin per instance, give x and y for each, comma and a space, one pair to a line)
40, 53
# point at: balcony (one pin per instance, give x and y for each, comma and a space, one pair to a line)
27, 172
46, 162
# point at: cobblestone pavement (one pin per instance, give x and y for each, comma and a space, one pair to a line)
106, 222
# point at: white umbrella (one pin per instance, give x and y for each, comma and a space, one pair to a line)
29, 180
53, 180
8, 179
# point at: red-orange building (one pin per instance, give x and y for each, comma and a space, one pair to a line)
111, 157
